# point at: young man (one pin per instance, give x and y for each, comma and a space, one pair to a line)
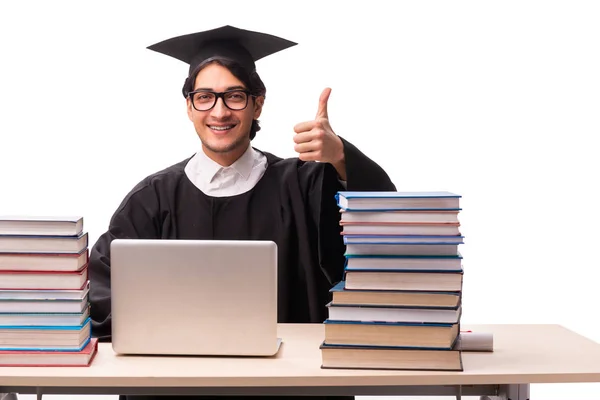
229, 190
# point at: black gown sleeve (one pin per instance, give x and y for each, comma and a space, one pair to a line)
362, 174
134, 218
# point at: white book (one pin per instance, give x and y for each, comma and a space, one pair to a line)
398, 239
400, 229
45, 294
43, 261
42, 306
43, 244
393, 314
45, 319
43, 280
45, 337
419, 263
375, 217
440, 281
41, 225
433, 249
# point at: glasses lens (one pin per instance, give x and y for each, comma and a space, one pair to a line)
203, 100
236, 100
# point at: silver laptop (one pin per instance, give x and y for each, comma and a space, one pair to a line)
194, 297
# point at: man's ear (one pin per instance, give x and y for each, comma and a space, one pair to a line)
258, 105
188, 104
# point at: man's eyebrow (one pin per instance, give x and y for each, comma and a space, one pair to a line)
238, 87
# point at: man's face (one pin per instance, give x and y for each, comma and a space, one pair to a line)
224, 133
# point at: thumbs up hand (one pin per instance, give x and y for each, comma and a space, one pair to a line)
316, 141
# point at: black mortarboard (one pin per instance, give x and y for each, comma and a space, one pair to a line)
242, 46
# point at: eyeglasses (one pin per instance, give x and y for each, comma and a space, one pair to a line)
204, 100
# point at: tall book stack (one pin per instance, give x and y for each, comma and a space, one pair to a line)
44, 308
399, 305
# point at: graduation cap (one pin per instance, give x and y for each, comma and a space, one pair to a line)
242, 46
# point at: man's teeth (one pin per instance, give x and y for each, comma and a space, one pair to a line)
221, 128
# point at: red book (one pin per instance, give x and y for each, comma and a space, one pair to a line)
81, 358
43, 261
44, 279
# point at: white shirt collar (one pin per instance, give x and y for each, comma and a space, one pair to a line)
209, 168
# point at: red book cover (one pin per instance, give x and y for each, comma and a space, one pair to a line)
43, 261
38, 280
81, 358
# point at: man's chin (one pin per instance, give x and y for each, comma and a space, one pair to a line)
221, 148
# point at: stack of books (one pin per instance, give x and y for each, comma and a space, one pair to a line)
399, 305
44, 286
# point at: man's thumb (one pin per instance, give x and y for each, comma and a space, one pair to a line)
322, 112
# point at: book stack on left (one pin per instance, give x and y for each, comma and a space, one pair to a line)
400, 302
44, 286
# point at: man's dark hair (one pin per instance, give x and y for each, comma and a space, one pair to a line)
250, 79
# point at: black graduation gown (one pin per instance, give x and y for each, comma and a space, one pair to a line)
293, 205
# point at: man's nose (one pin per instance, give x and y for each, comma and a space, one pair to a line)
220, 110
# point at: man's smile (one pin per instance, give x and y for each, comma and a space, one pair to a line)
220, 129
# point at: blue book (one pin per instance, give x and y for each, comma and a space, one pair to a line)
65, 338
387, 262
399, 249
43, 319
386, 201
381, 239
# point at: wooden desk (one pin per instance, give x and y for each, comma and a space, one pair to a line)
523, 354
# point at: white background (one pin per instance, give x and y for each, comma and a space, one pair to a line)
496, 101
